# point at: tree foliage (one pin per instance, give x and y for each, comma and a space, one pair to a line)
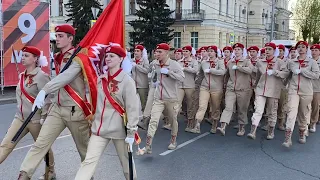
80, 13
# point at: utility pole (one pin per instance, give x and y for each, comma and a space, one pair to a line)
272, 20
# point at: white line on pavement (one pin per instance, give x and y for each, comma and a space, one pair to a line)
184, 144
60, 137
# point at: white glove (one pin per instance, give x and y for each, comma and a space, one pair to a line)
270, 72
297, 71
183, 69
133, 64
207, 70
41, 121
39, 102
234, 67
164, 71
155, 84
129, 141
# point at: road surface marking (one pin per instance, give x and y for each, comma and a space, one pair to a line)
184, 144
60, 137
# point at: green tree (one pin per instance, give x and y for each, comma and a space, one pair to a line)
80, 13
153, 24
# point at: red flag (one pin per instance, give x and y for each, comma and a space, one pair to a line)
109, 28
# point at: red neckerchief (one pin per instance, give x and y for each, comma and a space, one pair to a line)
60, 56
269, 66
185, 63
253, 61
138, 60
301, 63
114, 83
212, 63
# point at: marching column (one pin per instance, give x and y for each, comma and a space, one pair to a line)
303, 70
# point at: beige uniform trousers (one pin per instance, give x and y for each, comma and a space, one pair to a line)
143, 94
315, 107
172, 110
189, 98
283, 104
148, 107
260, 103
96, 147
241, 99
7, 146
215, 103
299, 107
57, 120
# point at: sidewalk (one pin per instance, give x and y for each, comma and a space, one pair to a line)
8, 96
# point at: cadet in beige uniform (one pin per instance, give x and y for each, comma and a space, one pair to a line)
187, 87
169, 73
316, 90
227, 54
140, 74
253, 53
64, 111
31, 81
270, 73
211, 88
114, 87
239, 91
300, 95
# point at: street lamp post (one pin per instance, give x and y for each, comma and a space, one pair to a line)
95, 12
272, 20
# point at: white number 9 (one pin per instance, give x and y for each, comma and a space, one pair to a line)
27, 24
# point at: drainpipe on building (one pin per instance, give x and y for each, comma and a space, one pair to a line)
272, 20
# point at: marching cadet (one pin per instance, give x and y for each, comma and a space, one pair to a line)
303, 70
238, 91
67, 110
140, 67
178, 54
315, 50
270, 73
282, 50
227, 53
169, 73
211, 88
115, 89
253, 53
187, 87
31, 81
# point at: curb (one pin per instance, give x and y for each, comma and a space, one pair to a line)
8, 101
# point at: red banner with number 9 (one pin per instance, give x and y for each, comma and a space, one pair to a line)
25, 23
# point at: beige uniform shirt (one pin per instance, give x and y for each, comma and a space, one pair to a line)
168, 83
316, 82
270, 86
239, 79
254, 72
72, 76
190, 69
301, 84
33, 83
140, 72
213, 81
108, 123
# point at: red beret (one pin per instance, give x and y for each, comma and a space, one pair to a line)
262, 50
280, 46
189, 48
163, 46
270, 44
117, 50
315, 46
292, 48
139, 47
66, 28
178, 50
33, 50
215, 48
253, 48
302, 42
239, 45
227, 48
203, 48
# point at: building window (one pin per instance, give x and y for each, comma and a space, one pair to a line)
240, 8
227, 8
194, 39
195, 6
177, 40
60, 7
132, 7
220, 6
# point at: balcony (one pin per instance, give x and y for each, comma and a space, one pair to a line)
276, 27
189, 14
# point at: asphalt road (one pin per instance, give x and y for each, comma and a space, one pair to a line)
203, 157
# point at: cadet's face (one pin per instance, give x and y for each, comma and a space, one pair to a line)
293, 54
62, 40
269, 51
263, 55
137, 53
161, 54
28, 59
178, 55
186, 53
302, 49
238, 51
281, 52
315, 52
227, 53
204, 53
212, 53
113, 60
253, 53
